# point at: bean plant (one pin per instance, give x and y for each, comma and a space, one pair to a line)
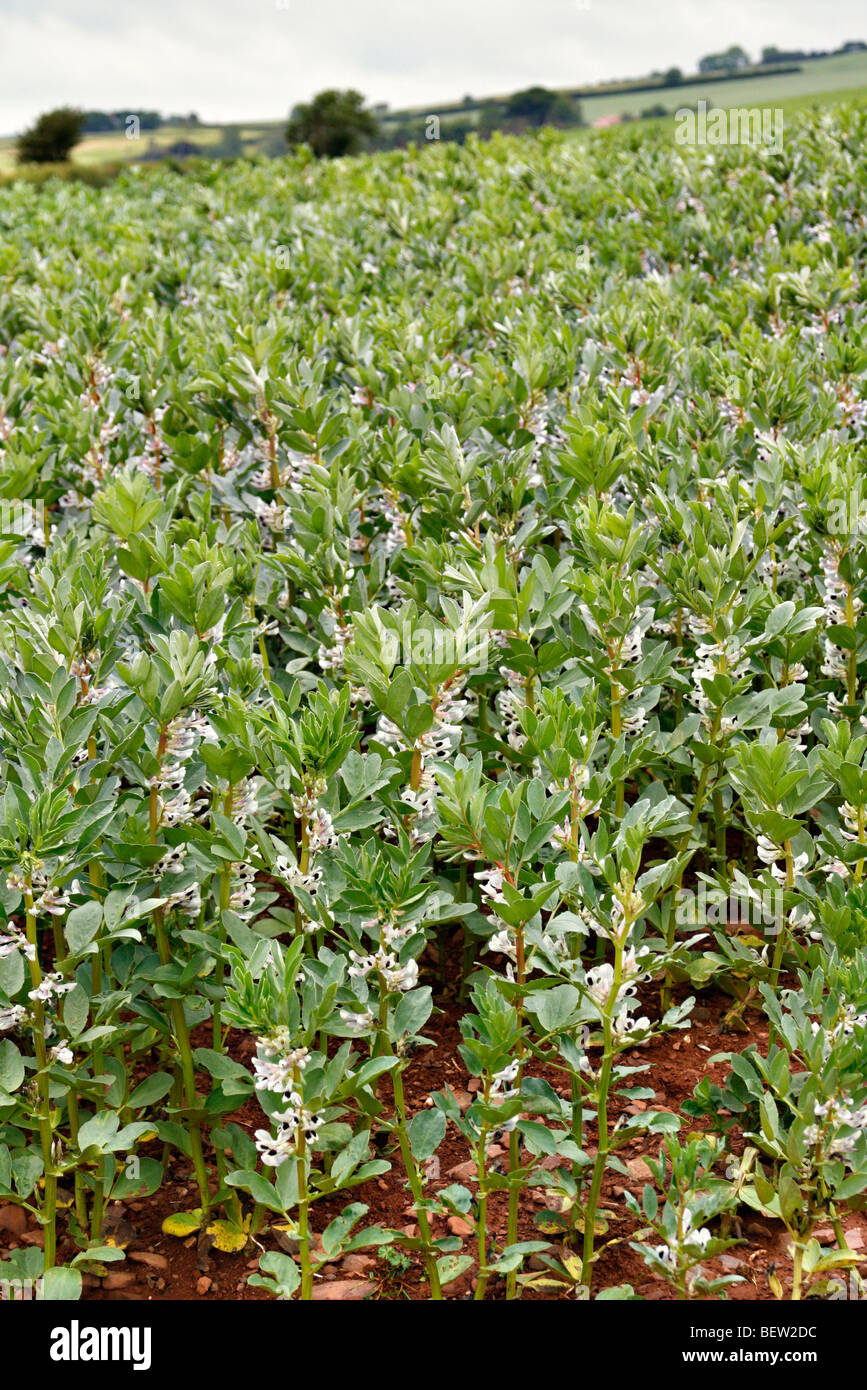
432, 672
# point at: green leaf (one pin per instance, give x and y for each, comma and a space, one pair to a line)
81, 927
60, 1285
451, 1267
426, 1131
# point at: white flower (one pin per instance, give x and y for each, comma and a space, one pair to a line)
503, 942
50, 987
701, 1237
52, 901
16, 941
799, 863
624, 1026
394, 975
274, 1149
491, 883
634, 720
767, 851
600, 982
359, 1023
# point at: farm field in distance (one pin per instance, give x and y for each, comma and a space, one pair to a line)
433, 749
842, 77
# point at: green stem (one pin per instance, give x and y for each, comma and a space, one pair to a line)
603, 1138
49, 1205
514, 1138
797, 1267
779, 944
176, 1012
304, 1221
415, 1183
616, 729
482, 1216
225, 894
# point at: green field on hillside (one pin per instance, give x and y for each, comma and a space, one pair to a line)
843, 77
114, 147
826, 77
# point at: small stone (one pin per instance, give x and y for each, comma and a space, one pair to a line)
474, 1084
13, 1219
459, 1227
730, 1261
464, 1100
653, 1292
148, 1257
855, 1240
639, 1169
344, 1291
203, 1284
357, 1264
463, 1171
824, 1235
757, 1230
118, 1279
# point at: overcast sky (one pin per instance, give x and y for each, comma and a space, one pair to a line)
232, 60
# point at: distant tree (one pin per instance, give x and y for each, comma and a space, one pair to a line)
272, 143
733, 59
230, 146
334, 123
537, 106
184, 149
97, 121
51, 137
534, 105
490, 119
673, 78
